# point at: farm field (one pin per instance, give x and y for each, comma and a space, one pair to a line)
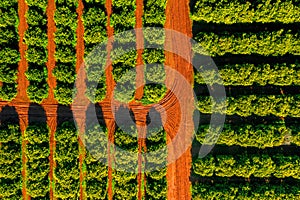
88, 112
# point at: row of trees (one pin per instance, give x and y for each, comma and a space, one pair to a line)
65, 18
126, 163
154, 13
37, 165
9, 52
10, 161
267, 43
247, 74
248, 165
248, 135
36, 54
156, 163
261, 105
66, 171
95, 21
154, 73
240, 11
96, 170
227, 190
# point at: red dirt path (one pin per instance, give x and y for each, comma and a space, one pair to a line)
51, 120
22, 86
177, 18
81, 87
139, 94
108, 115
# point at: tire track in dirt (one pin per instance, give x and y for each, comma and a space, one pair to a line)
178, 172
107, 103
51, 120
141, 123
81, 88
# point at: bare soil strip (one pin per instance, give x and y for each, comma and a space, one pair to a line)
140, 44
139, 93
178, 172
23, 65
107, 103
81, 88
22, 87
51, 120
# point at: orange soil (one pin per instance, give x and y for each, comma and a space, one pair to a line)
23, 65
81, 87
139, 93
178, 172
107, 113
140, 44
22, 87
51, 120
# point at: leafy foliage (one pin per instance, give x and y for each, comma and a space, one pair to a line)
227, 190
123, 15
240, 11
154, 13
248, 135
250, 74
36, 54
261, 105
65, 18
267, 43
9, 55
37, 153
66, 172
10, 160
126, 182
96, 157
246, 165
156, 187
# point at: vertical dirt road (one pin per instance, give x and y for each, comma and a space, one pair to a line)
108, 115
178, 172
51, 110
22, 87
81, 88
141, 123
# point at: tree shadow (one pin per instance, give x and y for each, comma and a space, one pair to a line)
36, 114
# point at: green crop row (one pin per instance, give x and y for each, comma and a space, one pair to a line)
126, 158
267, 43
247, 191
65, 18
251, 74
37, 165
123, 15
154, 16
66, 171
124, 73
156, 164
241, 11
154, 13
246, 165
95, 21
247, 135
36, 54
10, 161
261, 105
9, 52
96, 178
